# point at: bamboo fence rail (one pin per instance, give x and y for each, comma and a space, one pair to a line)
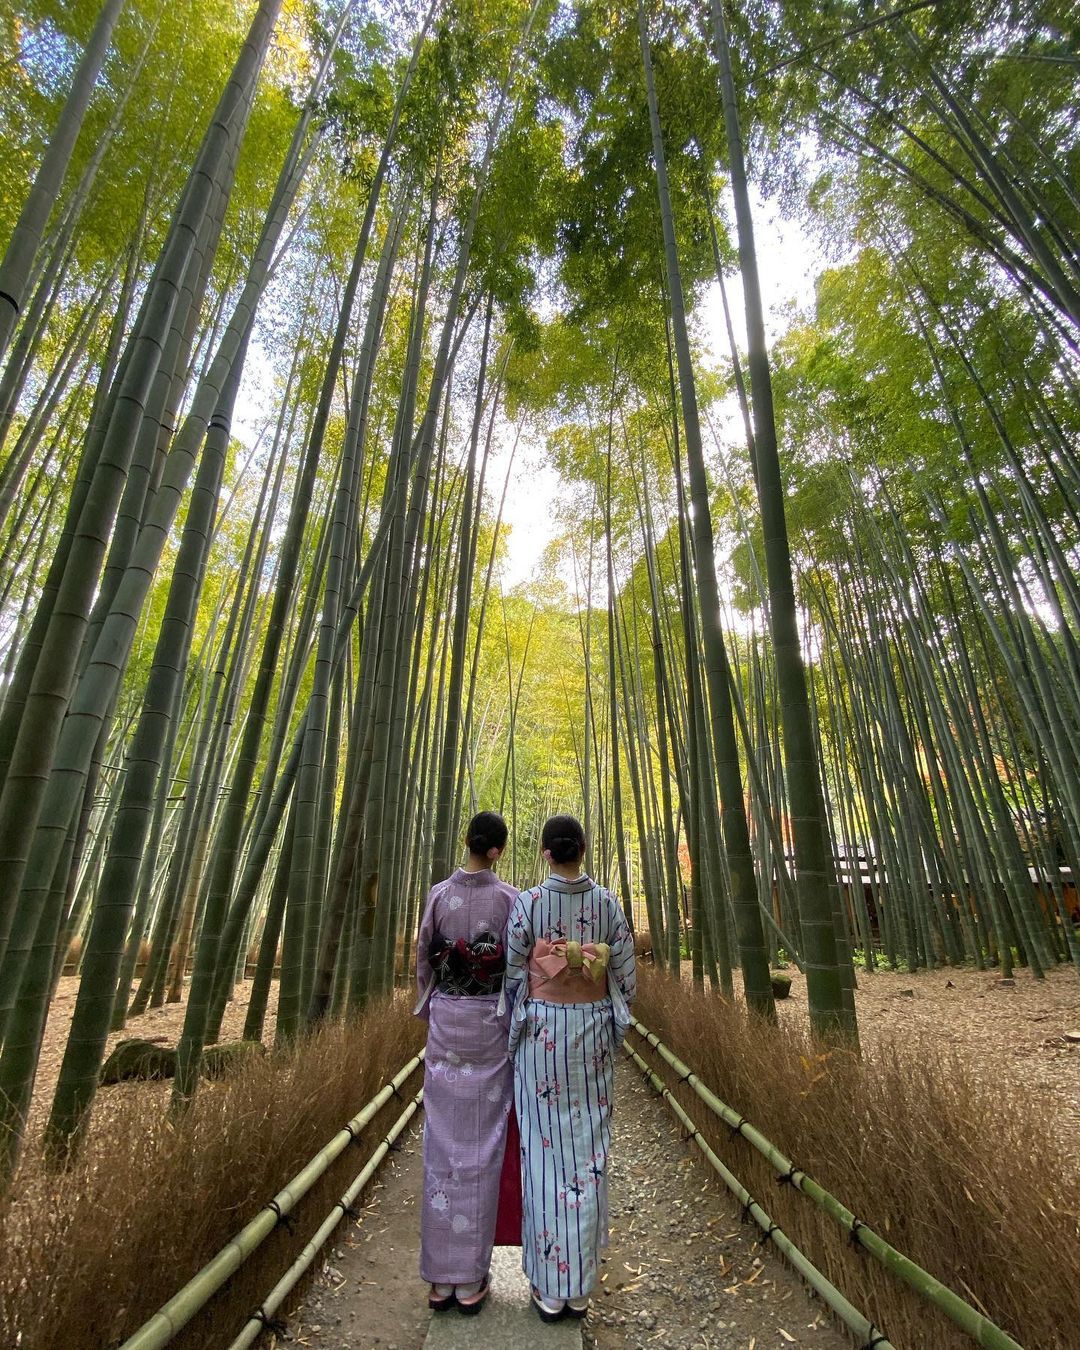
168, 1321
172, 1316
980, 1328
864, 1330
262, 1316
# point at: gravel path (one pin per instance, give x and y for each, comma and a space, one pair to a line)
368, 1295
681, 1272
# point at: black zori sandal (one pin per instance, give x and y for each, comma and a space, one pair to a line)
438, 1302
471, 1305
571, 1311
546, 1310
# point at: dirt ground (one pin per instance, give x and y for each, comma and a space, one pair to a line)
162, 1024
681, 1270
1015, 1033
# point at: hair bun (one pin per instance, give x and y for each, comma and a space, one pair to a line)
486, 830
563, 838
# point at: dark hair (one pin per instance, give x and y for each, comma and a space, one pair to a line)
564, 838
487, 829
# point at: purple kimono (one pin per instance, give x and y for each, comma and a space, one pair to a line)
468, 1085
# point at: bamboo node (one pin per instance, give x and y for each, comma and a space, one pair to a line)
283, 1220
273, 1324
767, 1233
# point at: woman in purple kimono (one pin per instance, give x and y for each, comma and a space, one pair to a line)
468, 1080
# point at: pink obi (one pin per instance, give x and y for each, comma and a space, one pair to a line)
568, 972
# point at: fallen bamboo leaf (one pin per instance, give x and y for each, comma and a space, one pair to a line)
787, 1335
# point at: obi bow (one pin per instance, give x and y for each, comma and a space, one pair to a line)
591, 958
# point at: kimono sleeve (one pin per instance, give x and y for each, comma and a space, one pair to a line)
423, 965
622, 963
519, 943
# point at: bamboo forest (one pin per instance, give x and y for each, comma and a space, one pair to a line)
664, 413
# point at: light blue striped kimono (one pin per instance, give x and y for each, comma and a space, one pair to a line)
563, 1083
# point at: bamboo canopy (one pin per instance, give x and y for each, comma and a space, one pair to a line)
385, 434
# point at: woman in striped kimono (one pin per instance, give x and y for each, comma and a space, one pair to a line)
570, 978
468, 1084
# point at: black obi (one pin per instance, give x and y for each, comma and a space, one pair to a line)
467, 968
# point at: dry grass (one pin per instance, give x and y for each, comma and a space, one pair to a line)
965, 1177
91, 1253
